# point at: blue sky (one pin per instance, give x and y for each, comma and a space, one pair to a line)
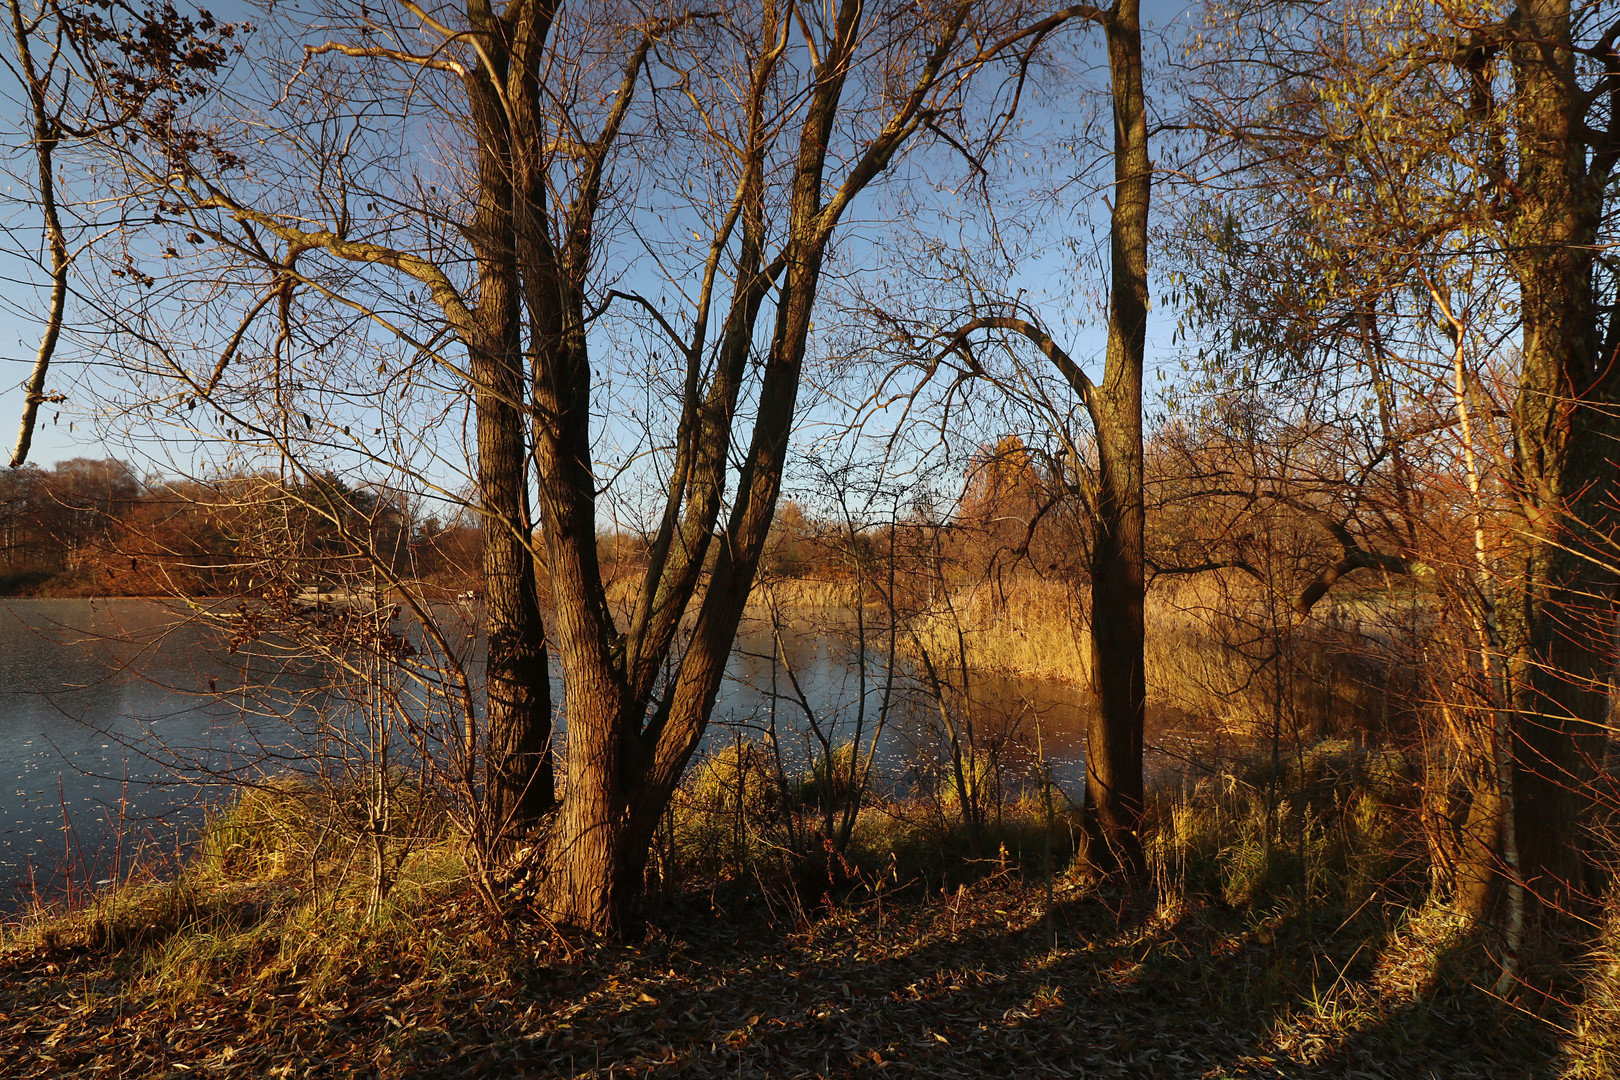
23, 298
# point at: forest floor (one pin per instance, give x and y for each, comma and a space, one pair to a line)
963, 983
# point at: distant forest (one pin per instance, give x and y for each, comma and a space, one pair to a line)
96, 527
89, 527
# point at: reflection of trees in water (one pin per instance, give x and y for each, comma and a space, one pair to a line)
822, 654
148, 717
913, 750
129, 719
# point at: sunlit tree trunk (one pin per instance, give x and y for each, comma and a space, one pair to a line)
626, 753
1113, 799
517, 718
1555, 607
1556, 626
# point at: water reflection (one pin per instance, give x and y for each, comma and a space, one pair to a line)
122, 720
86, 691
781, 688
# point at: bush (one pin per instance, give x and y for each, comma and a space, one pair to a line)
829, 781
1338, 831
264, 832
718, 818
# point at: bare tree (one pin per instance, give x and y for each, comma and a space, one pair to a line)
759, 127
1112, 490
74, 94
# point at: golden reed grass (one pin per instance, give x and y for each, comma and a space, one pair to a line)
1039, 629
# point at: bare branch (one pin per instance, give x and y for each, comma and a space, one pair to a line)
437, 63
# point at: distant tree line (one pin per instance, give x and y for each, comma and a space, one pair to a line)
94, 527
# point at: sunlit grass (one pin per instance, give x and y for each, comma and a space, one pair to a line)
1301, 929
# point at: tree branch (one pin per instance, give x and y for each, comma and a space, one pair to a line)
444, 292
1078, 381
377, 52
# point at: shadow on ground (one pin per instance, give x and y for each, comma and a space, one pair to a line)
963, 985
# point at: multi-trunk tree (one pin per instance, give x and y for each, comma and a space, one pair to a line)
570, 197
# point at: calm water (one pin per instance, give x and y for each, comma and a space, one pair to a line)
1016, 720
117, 731
90, 693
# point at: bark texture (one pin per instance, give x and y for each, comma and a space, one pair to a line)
1113, 798
517, 719
1555, 614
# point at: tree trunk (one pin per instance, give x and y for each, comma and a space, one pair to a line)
622, 771
1114, 790
1556, 625
632, 724
517, 718
623, 764
520, 784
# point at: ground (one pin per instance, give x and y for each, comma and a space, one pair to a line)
959, 984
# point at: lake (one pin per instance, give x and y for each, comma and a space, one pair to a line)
117, 731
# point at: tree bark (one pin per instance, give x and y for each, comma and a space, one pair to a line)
628, 746
623, 764
1114, 788
517, 718
1556, 627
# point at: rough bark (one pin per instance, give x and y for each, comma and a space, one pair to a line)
1556, 626
517, 718
625, 752
1113, 798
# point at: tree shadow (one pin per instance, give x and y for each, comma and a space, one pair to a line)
1208, 993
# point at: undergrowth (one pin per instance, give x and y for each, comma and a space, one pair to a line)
1289, 932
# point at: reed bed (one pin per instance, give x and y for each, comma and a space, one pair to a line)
800, 594
1203, 655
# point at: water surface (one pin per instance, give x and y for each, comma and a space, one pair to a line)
118, 728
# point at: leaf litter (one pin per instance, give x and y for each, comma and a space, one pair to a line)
962, 985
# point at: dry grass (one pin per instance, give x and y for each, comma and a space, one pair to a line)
804, 594
956, 985
961, 985
1195, 658
1250, 963
794, 596
734, 822
1034, 629
1038, 629
1593, 1051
